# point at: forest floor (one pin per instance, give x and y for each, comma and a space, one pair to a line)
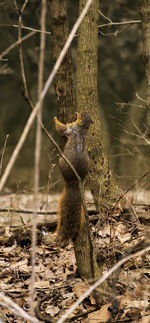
56, 282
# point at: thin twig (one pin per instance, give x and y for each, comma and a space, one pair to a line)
36, 168
116, 32
129, 189
27, 211
90, 211
133, 209
100, 281
130, 104
37, 151
110, 24
26, 28
138, 97
120, 23
6, 51
105, 17
16, 309
141, 135
2, 156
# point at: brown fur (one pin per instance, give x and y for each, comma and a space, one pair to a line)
70, 208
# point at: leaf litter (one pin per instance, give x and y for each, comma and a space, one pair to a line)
55, 271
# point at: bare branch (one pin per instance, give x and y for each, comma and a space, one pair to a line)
110, 24
120, 23
117, 31
138, 97
124, 104
16, 309
141, 135
6, 51
37, 150
105, 17
130, 188
26, 28
24, 5
28, 211
2, 156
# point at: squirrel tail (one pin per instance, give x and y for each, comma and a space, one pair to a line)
70, 214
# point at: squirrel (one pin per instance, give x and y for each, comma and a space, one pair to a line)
70, 208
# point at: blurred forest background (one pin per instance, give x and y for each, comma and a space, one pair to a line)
121, 84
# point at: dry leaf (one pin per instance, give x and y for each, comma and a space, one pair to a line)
129, 300
99, 316
42, 284
80, 288
19, 264
121, 233
52, 310
105, 232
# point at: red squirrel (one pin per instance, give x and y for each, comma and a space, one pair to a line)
70, 208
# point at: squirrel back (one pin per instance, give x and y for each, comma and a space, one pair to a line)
70, 208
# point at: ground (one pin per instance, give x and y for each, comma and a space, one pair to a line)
56, 282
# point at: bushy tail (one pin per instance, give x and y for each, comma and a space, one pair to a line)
70, 214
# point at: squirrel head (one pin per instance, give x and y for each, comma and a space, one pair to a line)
79, 127
83, 119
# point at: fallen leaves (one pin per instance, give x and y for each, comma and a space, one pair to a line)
55, 271
101, 316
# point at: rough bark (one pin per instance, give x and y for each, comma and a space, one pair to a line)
87, 99
85, 259
65, 108
101, 180
144, 10
63, 78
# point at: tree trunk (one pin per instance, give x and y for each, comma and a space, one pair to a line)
65, 110
87, 100
87, 266
100, 180
144, 10
63, 78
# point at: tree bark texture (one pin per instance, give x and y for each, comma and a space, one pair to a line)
63, 78
65, 109
100, 180
144, 10
87, 266
87, 100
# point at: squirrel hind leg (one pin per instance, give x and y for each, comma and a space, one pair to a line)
62, 238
